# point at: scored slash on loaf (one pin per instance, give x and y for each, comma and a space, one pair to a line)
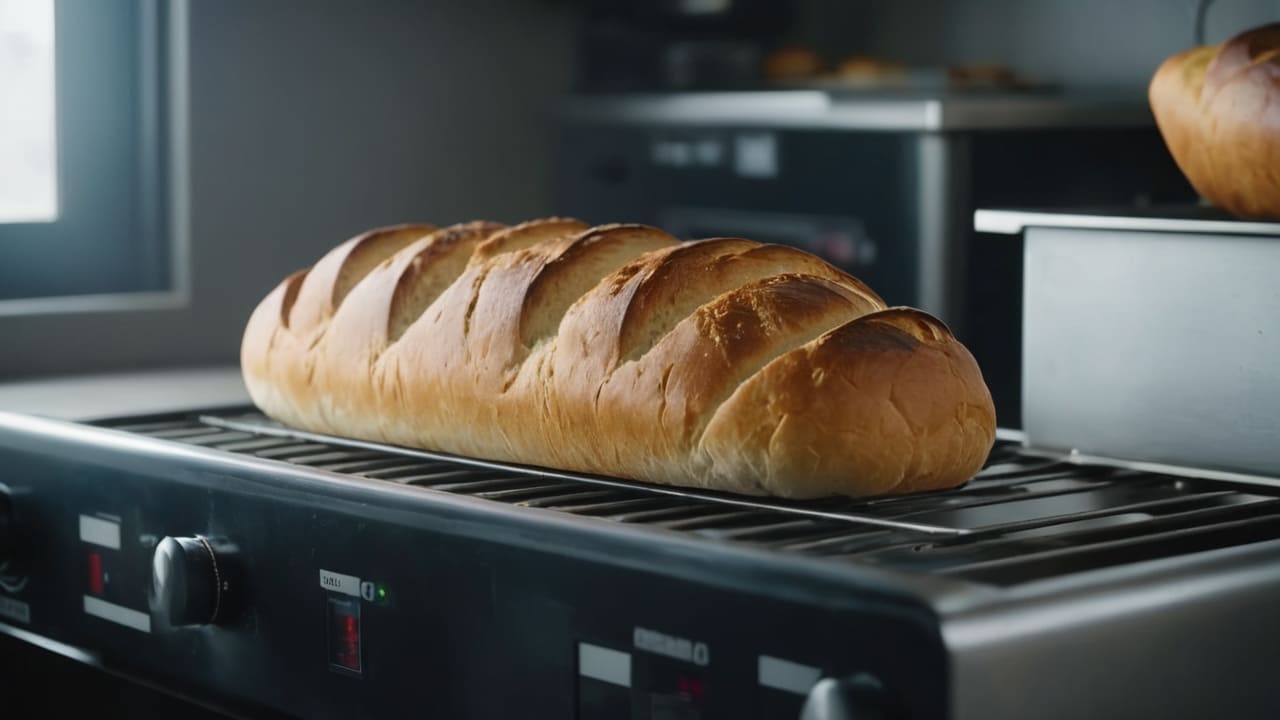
619, 350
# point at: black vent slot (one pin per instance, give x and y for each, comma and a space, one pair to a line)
1022, 518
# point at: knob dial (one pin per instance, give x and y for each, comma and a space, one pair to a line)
193, 581
854, 698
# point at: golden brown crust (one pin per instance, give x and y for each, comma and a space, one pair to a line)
328, 282
280, 339
664, 399
376, 313
1218, 108
722, 363
434, 265
888, 402
265, 332
1236, 56
477, 338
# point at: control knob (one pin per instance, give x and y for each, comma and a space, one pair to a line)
854, 698
194, 581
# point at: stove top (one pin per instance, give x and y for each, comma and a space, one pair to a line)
1023, 518
262, 568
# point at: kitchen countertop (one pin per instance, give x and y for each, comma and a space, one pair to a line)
88, 397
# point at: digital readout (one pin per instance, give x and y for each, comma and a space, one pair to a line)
344, 634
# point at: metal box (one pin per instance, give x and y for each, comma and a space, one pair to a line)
1151, 337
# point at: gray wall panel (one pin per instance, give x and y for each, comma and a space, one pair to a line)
311, 121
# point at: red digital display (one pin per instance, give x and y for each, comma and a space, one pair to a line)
95, 573
690, 688
344, 634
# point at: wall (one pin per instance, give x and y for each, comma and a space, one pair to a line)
1112, 43
312, 120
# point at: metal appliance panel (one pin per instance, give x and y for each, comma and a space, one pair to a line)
518, 587
491, 607
1154, 342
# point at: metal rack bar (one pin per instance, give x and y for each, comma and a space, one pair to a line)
262, 426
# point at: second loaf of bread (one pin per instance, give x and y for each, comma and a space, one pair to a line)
722, 363
1218, 108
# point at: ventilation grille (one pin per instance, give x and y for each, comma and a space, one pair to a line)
1022, 518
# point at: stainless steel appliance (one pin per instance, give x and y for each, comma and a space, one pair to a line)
266, 571
882, 183
1151, 336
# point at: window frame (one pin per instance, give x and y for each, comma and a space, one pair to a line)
138, 261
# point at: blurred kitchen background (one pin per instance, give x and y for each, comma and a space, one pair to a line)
197, 151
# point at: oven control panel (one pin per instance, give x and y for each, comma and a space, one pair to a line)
247, 586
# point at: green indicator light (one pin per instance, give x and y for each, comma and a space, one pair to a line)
382, 593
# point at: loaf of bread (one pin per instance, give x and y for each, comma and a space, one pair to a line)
1218, 108
618, 350
871, 70
790, 63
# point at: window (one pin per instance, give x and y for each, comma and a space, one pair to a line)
83, 206
28, 158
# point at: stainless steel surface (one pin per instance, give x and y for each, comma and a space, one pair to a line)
1153, 347
942, 258
88, 397
1075, 457
856, 111
1121, 637
1013, 222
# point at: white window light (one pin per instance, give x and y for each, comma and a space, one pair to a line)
28, 127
